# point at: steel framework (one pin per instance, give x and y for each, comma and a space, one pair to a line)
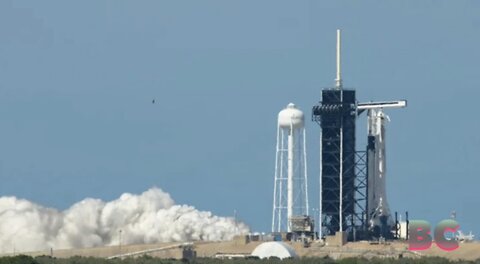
336, 115
361, 191
347, 177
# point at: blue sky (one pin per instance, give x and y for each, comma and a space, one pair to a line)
77, 80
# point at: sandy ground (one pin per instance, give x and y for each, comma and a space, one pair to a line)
467, 251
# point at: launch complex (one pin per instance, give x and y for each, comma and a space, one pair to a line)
353, 201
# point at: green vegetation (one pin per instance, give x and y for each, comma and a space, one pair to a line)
150, 260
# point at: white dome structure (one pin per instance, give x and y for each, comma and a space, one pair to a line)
274, 249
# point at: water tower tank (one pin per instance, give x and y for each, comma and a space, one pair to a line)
291, 115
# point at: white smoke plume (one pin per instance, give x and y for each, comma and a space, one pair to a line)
150, 217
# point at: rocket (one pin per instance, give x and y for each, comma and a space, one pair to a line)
380, 221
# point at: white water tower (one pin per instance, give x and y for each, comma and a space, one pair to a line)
290, 195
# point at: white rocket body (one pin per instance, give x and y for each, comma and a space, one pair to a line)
377, 208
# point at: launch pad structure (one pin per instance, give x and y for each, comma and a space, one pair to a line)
352, 183
353, 200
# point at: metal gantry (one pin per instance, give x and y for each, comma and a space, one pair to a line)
349, 178
336, 116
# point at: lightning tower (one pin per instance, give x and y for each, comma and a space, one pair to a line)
336, 115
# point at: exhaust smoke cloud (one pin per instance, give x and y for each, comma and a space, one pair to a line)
150, 217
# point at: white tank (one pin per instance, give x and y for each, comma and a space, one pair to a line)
291, 115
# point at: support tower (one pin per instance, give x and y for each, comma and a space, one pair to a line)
352, 183
336, 115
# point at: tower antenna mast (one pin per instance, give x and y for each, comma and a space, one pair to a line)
338, 80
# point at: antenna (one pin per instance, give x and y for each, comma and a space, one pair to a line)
338, 80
